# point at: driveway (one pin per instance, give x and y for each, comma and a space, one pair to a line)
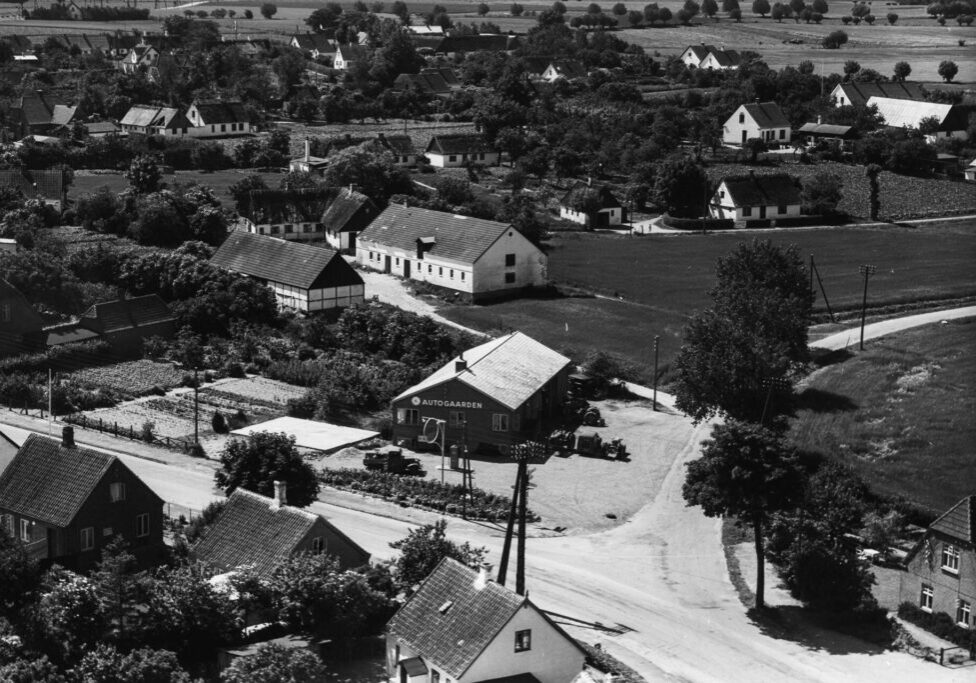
391, 290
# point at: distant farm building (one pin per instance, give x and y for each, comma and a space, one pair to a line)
445, 151
765, 121
756, 197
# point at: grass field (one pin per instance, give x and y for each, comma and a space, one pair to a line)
662, 279
902, 413
218, 181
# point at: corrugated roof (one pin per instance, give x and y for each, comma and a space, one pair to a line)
124, 314
908, 113
459, 238
455, 637
508, 369
778, 189
959, 521
49, 483
826, 129
144, 115
251, 532
767, 115
459, 143
291, 263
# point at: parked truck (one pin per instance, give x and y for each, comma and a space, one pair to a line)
392, 462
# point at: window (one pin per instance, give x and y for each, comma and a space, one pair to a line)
274, 229
398, 260
950, 558
782, 134
88, 538
25, 532
430, 268
509, 278
223, 128
746, 210
509, 260
435, 676
117, 491
451, 273
523, 640
452, 158
318, 545
288, 227
455, 418
440, 271
107, 532
783, 208
742, 118
7, 524
5, 313
926, 600
462, 276
499, 422
408, 416
963, 612
142, 525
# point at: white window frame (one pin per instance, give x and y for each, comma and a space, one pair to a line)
499, 422
116, 491
950, 558
25, 530
142, 525
964, 612
928, 595
523, 640
88, 538
318, 545
404, 416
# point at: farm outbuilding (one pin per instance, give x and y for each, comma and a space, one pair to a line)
303, 277
500, 393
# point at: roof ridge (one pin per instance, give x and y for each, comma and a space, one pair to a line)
310, 516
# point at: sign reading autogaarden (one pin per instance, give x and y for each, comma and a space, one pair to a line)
437, 403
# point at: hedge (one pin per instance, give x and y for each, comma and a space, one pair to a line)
64, 357
422, 493
939, 624
697, 223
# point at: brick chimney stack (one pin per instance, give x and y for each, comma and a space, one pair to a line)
280, 495
68, 437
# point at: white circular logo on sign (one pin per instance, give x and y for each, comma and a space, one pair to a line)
415, 400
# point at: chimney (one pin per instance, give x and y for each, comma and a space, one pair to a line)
589, 181
308, 150
68, 437
483, 578
460, 365
819, 119
280, 495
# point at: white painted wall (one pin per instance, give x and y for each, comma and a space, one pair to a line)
454, 160
742, 121
722, 206
309, 301
531, 264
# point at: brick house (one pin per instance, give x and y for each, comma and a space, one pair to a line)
763, 120
67, 503
260, 532
20, 325
941, 568
462, 627
503, 392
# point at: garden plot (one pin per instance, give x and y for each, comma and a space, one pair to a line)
133, 378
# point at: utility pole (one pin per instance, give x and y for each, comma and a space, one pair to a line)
657, 340
866, 271
513, 511
196, 405
523, 511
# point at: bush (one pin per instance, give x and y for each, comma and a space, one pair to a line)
147, 432
834, 39
938, 623
697, 223
219, 423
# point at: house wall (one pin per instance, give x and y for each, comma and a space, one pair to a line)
344, 241
214, 130
615, 216
431, 268
551, 658
295, 232
310, 301
690, 58
455, 160
741, 121
530, 270
947, 587
350, 556
20, 325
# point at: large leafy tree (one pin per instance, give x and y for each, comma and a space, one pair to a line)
257, 462
370, 169
746, 471
749, 340
273, 663
69, 618
681, 186
116, 582
144, 175
423, 548
21, 576
106, 664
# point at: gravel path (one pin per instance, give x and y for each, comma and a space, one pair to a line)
391, 290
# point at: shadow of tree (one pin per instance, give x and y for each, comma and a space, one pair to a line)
816, 631
824, 357
820, 401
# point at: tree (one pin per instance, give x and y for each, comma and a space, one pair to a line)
273, 663
370, 169
869, 19
516, 9
709, 8
760, 7
34, 670
257, 462
746, 471
948, 70
683, 16
729, 5
797, 6
69, 614
753, 335
483, 9
902, 70
820, 6
851, 67
268, 10
143, 175
105, 664
423, 549
735, 14
21, 576
116, 583
872, 171
681, 186
834, 40
399, 8
778, 11
822, 193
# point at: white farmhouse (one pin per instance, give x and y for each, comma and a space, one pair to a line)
347, 55
445, 151
462, 627
594, 207
303, 278
477, 257
756, 197
217, 118
759, 120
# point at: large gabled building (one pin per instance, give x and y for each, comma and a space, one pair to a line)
763, 120
756, 197
950, 120
303, 277
218, 118
461, 626
458, 149
66, 504
498, 394
480, 258
859, 92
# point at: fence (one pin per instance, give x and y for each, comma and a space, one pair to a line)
129, 432
953, 657
177, 512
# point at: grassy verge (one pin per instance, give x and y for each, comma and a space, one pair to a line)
734, 534
900, 413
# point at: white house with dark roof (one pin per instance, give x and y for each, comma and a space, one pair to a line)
758, 120
503, 392
315, 44
756, 197
217, 118
461, 626
348, 214
348, 55
260, 533
478, 257
152, 120
970, 172
591, 206
401, 147
858, 92
445, 151
710, 57
304, 278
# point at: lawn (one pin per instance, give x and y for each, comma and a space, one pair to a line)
220, 181
901, 414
